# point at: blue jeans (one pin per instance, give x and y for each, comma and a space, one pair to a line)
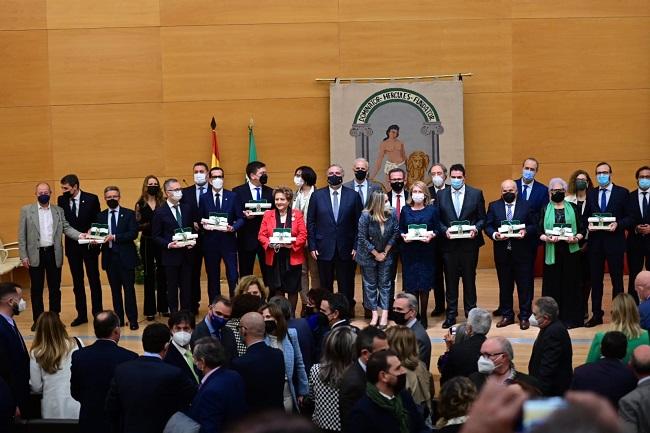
376, 285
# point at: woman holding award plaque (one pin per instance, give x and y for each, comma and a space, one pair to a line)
418, 225
283, 236
562, 230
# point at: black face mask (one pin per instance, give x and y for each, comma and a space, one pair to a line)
334, 180
309, 311
153, 190
400, 384
360, 174
67, 195
398, 317
112, 203
270, 326
557, 197
508, 197
323, 320
43, 199
15, 309
264, 178
581, 185
397, 186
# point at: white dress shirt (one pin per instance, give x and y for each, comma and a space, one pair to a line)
641, 196
332, 198
461, 197
393, 200
364, 189
45, 225
197, 191
254, 191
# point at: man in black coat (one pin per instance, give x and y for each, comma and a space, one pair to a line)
261, 367
214, 325
181, 324
146, 392
405, 311
638, 240
92, 371
551, 359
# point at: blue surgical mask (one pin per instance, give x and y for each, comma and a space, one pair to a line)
456, 183
603, 179
644, 183
528, 175
217, 322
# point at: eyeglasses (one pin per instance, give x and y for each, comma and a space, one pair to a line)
491, 355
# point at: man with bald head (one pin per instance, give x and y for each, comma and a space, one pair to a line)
634, 408
642, 286
361, 183
512, 255
261, 367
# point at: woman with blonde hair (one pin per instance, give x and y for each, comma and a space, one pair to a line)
253, 285
419, 381
50, 360
625, 318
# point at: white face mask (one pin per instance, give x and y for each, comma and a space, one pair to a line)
298, 181
533, 321
22, 305
438, 181
199, 178
182, 338
217, 183
485, 365
178, 195
417, 197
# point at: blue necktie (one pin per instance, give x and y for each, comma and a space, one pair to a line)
526, 192
201, 192
603, 199
259, 197
509, 212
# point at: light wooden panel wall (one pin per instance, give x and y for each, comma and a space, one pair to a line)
117, 90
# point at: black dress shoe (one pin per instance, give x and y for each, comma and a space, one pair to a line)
134, 326
448, 323
497, 312
506, 321
524, 324
594, 321
79, 321
437, 312
165, 314
150, 318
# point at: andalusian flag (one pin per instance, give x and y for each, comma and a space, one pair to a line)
215, 144
252, 151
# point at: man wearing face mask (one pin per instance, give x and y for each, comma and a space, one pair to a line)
438, 174
41, 251
214, 325
361, 183
405, 311
397, 197
176, 259
14, 358
332, 221
80, 209
220, 245
119, 256
386, 406
551, 360
638, 250
606, 245
512, 256
181, 324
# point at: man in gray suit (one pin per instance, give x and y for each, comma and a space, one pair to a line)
361, 184
405, 311
634, 408
41, 249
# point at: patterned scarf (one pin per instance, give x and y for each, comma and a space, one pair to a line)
394, 406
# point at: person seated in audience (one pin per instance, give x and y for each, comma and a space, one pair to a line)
305, 336
241, 305
405, 312
456, 397
625, 318
214, 325
253, 285
608, 376
455, 334
49, 367
634, 408
181, 324
642, 286
274, 422
496, 362
463, 357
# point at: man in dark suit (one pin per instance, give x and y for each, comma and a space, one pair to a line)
92, 371
221, 399
463, 357
361, 184
191, 197
397, 197
551, 359
634, 408
176, 259
638, 240
14, 358
512, 256
606, 245
405, 311
214, 325
461, 203
119, 256
332, 221
261, 367
80, 209
438, 174
248, 247
608, 376
220, 245
353, 382
181, 324
146, 392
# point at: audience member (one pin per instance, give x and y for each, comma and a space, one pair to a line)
551, 360
92, 371
253, 285
642, 287
463, 356
456, 398
638, 249
455, 334
405, 312
274, 422
335, 307
305, 336
634, 408
495, 410
181, 325
241, 305
49, 367
214, 325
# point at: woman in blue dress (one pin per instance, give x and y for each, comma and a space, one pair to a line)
418, 264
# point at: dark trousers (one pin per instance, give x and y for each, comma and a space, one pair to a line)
77, 258
510, 272
247, 263
46, 269
179, 285
344, 272
597, 268
213, 266
197, 264
122, 279
155, 285
439, 280
460, 264
637, 259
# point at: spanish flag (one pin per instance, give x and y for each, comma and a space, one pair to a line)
215, 144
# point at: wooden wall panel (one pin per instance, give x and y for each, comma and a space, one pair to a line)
579, 8
23, 70
205, 12
378, 50
488, 128
22, 14
105, 66
72, 14
580, 54
247, 62
389, 11
107, 141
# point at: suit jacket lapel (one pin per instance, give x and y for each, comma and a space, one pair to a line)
465, 205
329, 205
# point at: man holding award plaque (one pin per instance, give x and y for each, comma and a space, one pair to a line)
220, 216
608, 217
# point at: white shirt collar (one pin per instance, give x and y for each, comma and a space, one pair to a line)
77, 195
117, 210
411, 322
645, 379
180, 348
363, 366
357, 184
461, 190
43, 207
152, 355
387, 397
208, 375
608, 187
171, 205
337, 190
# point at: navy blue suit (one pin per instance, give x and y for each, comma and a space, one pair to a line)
119, 259
224, 335
334, 239
513, 257
367, 417
262, 368
638, 245
91, 374
607, 377
606, 245
219, 245
219, 402
189, 197
14, 364
176, 261
145, 393
174, 357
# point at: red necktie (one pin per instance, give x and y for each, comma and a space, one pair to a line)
397, 207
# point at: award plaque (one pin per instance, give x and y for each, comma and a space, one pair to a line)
600, 221
562, 231
257, 207
461, 230
184, 237
216, 221
96, 235
417, 232
510, 229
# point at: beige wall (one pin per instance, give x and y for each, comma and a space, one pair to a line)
116, 90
